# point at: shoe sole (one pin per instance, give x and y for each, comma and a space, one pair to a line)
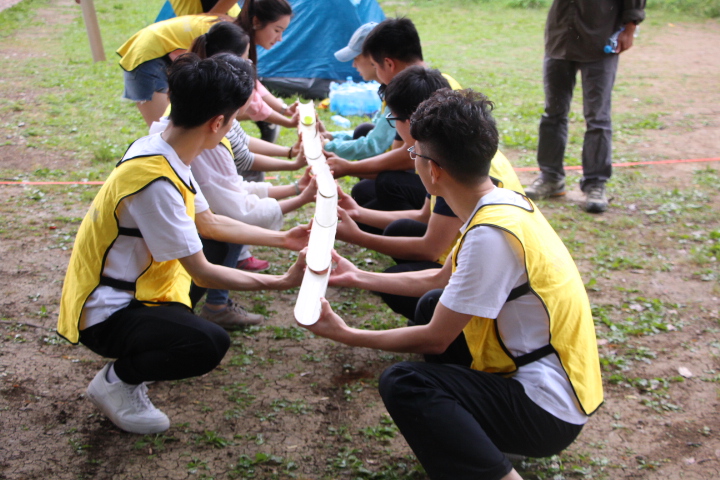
552, 195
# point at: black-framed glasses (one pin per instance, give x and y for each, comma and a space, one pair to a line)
414, 155
391, 120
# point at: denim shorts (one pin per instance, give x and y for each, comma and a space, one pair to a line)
149, 77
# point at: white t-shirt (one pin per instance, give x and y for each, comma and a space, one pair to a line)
159, 212
226, 191
490, 265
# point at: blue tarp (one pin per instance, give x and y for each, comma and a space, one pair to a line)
318, 29
304, 62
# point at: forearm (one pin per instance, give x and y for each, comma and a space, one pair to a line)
407, 248
397, 159
219, 277
257, 145
224, 229
274, 102
279, 119
263, 163
381, 219
411, 284
416, 339
281, 191
291, 204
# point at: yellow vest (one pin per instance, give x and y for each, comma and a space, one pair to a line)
555, 280
194, 7
159, 39
454, 84
502, 175
160, 283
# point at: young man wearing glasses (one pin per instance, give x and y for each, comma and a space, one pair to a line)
416, 239
526, 376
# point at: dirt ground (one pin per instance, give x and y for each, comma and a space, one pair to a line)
286, 405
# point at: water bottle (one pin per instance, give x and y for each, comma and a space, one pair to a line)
340, 121
611, 47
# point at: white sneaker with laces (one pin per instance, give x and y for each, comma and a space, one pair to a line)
126, 405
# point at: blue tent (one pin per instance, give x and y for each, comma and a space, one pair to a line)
304, 62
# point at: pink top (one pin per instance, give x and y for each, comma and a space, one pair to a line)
258, 109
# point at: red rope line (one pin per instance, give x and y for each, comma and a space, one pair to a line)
520, 169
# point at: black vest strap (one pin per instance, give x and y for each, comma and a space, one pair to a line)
119, 284
518, 292
534, 355
129, 232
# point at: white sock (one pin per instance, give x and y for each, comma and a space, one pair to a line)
111, 376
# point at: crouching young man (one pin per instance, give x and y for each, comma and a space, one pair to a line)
126, 291
526, 375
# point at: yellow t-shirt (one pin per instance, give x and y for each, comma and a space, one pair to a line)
159, 39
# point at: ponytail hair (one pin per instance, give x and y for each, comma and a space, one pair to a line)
265, 11
222, 37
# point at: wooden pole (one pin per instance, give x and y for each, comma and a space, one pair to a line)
93, 30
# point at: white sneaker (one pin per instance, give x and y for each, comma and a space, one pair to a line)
127, 406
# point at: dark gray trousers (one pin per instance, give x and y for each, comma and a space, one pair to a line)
559, 78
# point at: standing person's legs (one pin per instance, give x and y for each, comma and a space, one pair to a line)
459, 421
559, 82
598, 79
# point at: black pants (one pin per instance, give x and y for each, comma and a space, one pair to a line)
362, 130
402, 304
459, 421
390, 191
157, 343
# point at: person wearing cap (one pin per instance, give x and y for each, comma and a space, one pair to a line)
389, 181
368, 139
512, 364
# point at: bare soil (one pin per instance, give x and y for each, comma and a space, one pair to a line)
303, 401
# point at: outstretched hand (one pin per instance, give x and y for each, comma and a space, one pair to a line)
345, 272
347, 203
339, 166
294, 276
347, 229
297, 237
329, 325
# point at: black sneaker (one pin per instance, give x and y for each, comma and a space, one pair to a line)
596, 201
542, 188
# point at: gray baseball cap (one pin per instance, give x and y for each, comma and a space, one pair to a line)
354, 47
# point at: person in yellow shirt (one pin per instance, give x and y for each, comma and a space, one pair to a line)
146, 56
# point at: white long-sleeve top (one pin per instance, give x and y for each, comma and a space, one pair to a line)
226, 192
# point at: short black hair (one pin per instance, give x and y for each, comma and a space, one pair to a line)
202, 89
222, 37
411, 87
395, 38
245, 72
457, 129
